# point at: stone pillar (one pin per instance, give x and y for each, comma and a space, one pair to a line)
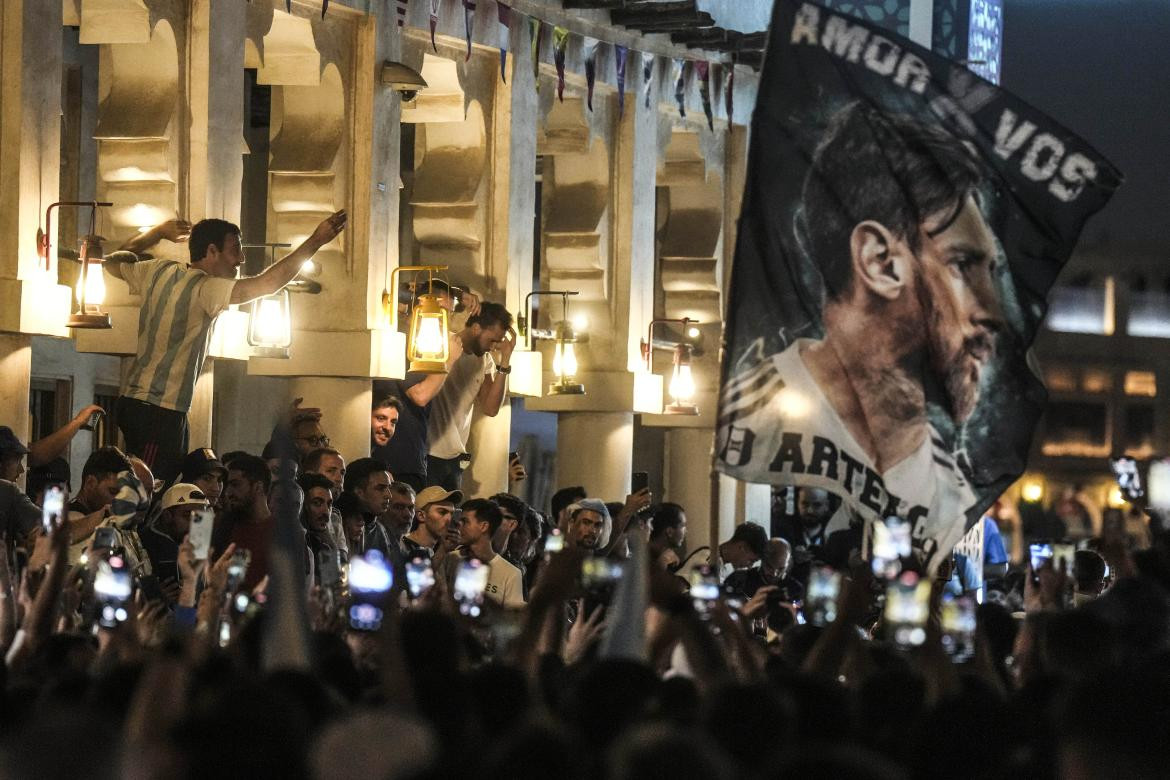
379, 40
488, 446
688, 481
216, 165
15, 372
515, 117
345, 404
635, 207
30, 162
596, 449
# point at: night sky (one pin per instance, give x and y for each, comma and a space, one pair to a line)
1102, 68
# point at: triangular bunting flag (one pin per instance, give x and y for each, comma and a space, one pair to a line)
560, 43
434, 23
620, 55
591, 46
703, 71
402, 4
535, 27
679, 77
647, 75
729, 91
468, 22
505, 15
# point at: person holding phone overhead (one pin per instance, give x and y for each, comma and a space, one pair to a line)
162, 538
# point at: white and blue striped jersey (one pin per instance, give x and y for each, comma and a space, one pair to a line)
179, 306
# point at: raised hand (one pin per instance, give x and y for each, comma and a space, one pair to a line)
516, 471
328, 230
583, 633
176, 230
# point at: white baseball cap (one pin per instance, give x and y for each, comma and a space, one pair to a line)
183, 494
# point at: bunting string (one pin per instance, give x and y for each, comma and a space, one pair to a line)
592, 48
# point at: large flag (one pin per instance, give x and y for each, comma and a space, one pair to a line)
902, 223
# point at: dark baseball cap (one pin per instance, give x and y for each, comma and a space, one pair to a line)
753, 536
9, 443
202, 461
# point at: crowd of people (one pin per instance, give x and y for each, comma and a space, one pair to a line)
301, 612
334, 619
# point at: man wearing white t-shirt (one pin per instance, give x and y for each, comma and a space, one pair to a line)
475, 379
478, 522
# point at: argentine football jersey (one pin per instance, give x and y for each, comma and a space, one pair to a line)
776, 426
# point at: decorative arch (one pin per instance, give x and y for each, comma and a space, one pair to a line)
138, 87
448, 216
114, 21
290, 56
443, 99
690, 239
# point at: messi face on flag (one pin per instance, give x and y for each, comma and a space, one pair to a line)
902, 223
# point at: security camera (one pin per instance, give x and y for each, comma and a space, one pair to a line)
403, 79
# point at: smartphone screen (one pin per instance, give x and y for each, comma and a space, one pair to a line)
1039, 554
199, 533
370, 579
1128, 478
599, 576
639, 481
554, 542
1064, 553
958, 627
237, 568
329, 568
105, 537
52, 508
1159, 477
470, 583
112, 588
704, 590
420, 576
907, 608
891, 543
820, 601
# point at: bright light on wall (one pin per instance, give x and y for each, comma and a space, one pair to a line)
1032, 491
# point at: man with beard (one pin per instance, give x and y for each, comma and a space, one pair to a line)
476, 378
590, 525
891, 216
368, 481
248, 522
384, 421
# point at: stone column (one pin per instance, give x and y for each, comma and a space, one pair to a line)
596, 449
15, 372
488, 446
345, 404
216, 164
30, 162
688, 481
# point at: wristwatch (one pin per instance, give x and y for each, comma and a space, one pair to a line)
504, 369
